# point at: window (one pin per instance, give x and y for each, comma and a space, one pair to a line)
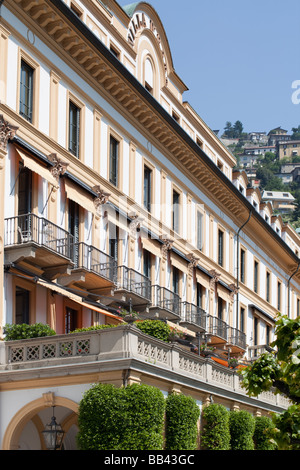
22, 306
73, 227
113, 241
199, 231
176, 201
24, 191
279, 296
220, 308
147, 188
74, 128
113, 161
268, 286
176, 277
71, 320
255, 333
147, 263
242, 265
199, 295
268, 333
26, 91
149, 76
114, 51
220, 247
256, 277
242, 319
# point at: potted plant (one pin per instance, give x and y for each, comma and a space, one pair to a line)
205, 350
128, 316
233, 362
176, 335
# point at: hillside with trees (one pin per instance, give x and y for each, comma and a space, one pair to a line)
267, 166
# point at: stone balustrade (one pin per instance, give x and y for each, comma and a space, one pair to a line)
124, 342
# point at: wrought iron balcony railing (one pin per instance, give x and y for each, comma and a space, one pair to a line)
30, 228
193, 314
236, 337
166, 299
90, 258
135, 282
216, 327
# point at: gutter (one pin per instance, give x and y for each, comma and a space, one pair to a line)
290, 278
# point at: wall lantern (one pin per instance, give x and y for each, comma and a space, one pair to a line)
53, 434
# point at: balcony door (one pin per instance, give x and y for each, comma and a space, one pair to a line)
25, 223
71, 320
73, 227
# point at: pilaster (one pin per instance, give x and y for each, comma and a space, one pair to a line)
7, 131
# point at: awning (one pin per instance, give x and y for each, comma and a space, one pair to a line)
74, 297
78, 195
34, 166
151, 246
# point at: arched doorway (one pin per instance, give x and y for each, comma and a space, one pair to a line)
24, 431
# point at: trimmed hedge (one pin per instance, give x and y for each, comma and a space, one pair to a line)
156, 328
128, 418
92, 328
25, 331
182, 413
241, 426
215, 434
262, 436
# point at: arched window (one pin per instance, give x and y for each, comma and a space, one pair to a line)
149, 76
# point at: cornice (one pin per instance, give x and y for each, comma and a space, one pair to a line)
73, 37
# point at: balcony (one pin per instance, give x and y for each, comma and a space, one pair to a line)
217, 330
236, 340
255, 351
193, 317
165, 305
133, 288
93, 269
39, 242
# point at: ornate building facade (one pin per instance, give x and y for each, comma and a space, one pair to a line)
115, 193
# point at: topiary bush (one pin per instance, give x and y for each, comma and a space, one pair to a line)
215, 434
156, 328
241, 426
25, 331
145, 413
130, 418
262, 436
182, 414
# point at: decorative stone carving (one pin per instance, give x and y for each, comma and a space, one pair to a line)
7, 131
166, 246
59, 167
234, 291
214, 280
101, 199
192, 264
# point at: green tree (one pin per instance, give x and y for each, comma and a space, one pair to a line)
296, 133
280, 371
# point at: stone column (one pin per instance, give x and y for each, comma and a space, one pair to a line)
7, 131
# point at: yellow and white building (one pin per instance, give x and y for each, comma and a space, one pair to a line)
115, 193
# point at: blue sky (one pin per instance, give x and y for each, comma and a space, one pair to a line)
239, 59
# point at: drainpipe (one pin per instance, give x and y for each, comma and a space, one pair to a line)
238, 267
289, 287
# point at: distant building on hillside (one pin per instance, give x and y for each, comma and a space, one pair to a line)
258, 137
288, 149
280, 201
278, 135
